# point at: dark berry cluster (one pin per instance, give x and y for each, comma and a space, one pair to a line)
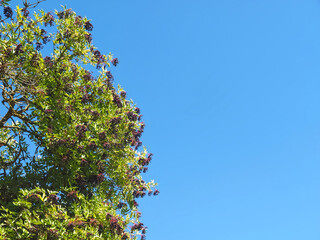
109, 75
81, 130
135, 203
115, 121
95, 115
60, 15
64, 14
78, 20
88, 37
7, 11
66, 34
137, 110
137, 226
132, 116
85, 98
48, 62
115, 226
72, 224
88, 26
39, 46
121, 205
48, 19
25, 12
45, 38
135, 140
97, 54
123, 94
138, 194
87, 76
115, 62
136, 135
99, 57
93, 222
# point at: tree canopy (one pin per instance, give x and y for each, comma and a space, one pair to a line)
71, 156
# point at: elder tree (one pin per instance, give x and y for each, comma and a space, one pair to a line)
71, 158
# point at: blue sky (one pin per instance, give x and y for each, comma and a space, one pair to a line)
229, 91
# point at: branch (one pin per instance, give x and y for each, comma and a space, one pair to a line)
6, 117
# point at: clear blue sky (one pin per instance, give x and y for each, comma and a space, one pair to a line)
229, 91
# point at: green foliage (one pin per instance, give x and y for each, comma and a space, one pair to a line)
70, 167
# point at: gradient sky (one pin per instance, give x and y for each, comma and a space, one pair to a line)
229, 91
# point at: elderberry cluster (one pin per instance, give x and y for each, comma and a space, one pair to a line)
48, 19
45, 38
115, 62
72, 224
88, 26
65, 14
88, 37
132, 116
25, 12
7, 11
117, 100
81, 130
48, 62
109, 75
115, 226
85, 98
